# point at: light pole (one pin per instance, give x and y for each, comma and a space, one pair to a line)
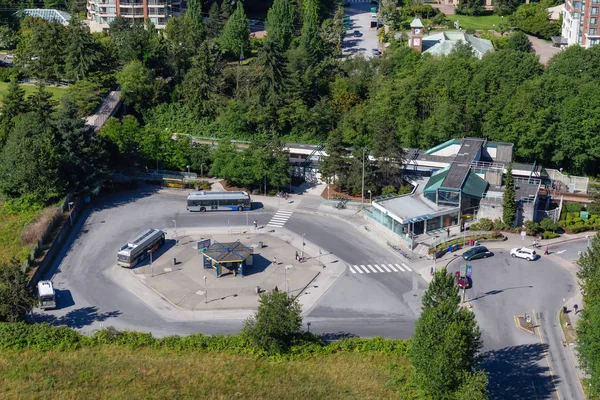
205, 292
303, 243
188, 167
287, 284
308, 327
370, 194
70, 203
589, 240
201, 169
362, 192
175, 230
435, 254
151, 266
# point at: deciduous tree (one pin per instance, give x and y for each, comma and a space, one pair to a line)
235, 38
15, 298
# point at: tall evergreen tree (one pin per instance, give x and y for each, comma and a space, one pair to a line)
194, 13
334, 167
41, 103
446, 341
214, 22
509, 205
225, 10
13, 104
272, 65
235, 38
588, 327
310, 39
81, 53
280, 23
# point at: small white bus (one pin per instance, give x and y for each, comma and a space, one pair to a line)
46, 295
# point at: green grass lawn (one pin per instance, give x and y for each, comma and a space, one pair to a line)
484, 22
115, 372
12, 227
56, 93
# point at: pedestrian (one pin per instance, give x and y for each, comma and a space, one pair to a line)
447, 232
275, 260
546, 252
297, 257
431, 271
255, 224
575, 307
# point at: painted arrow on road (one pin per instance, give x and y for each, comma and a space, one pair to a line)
560, 251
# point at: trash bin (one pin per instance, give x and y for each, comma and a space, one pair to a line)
260, 245
455, 247
476, 243
449, 249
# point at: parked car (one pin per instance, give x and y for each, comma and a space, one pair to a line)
476, 252
357, 34
461, 281
524, 252
376, 52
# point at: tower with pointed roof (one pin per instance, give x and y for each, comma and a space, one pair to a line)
416, 35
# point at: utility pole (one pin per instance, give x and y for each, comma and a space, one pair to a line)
362, 192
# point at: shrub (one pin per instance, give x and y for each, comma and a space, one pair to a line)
388, 190
550, 235
484, 224
532, 228
34, 231
548, 225
574, 207
577, 220
202, 185
498, 225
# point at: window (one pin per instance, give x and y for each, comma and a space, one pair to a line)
592, 32
593, 21
575, 15
576, 5
593, 42
594, 10
595, 1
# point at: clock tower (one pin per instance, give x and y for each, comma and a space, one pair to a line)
416, 35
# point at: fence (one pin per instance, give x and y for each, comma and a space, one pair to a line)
572, 183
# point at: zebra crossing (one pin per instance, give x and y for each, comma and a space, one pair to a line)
357, 1
379, 268
280, 218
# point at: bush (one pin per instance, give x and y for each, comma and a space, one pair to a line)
548, 225
577, 220
388, 190
484, 224
202, 185
532, 228
550, 235
498, 225
574, 208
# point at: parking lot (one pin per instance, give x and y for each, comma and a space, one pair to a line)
360, 20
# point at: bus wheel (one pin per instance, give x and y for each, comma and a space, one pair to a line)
202, 209
240, 208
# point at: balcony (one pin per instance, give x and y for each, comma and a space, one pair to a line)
131, 3
157, 12
156, 3
107, 11
132, 13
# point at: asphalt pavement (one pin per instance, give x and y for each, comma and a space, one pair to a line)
522, 365
360, 20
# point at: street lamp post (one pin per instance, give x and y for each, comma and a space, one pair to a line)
202, 169
175, 230
370, 194
362, 192
303, 243
435, 254
205, 291
151, 266
588, 240
287, 285
188, 167
70, 203
308, 327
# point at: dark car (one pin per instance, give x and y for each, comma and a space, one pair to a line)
357, 34
476, 252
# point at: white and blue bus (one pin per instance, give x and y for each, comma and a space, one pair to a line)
213, 201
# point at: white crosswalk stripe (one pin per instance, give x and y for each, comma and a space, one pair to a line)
280, 218
379, 268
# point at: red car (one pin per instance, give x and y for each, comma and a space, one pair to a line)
461, 281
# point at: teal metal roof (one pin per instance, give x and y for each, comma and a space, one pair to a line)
474, 186
436, 180
443, 145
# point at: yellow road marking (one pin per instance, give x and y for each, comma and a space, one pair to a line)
546, 355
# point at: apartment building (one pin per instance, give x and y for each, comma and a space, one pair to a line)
102, 12
580, 23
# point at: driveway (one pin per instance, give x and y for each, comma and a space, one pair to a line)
522, 365
543, 49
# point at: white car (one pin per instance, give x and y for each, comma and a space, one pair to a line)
524, 252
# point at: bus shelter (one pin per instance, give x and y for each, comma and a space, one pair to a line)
233, 257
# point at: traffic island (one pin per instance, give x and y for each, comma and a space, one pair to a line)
227, 274
525, 323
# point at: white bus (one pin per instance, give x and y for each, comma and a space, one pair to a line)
46, 295
213, 201
137, 249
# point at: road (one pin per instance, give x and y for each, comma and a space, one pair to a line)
522, 365
380, 298
363, 304
360, 18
